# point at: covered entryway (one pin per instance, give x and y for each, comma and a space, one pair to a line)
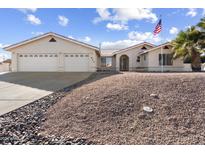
37, 62
124, 63
76, 62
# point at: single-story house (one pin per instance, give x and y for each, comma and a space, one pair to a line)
52, 52
5, 65
1, 58
147, 57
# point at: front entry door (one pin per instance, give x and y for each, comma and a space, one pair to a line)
124, 63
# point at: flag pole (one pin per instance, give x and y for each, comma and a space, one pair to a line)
162, 60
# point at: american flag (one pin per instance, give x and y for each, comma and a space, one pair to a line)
158, 28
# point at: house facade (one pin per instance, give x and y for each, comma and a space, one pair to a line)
5, 65
148, 57
52, 52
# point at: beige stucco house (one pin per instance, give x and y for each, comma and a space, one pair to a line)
52, 52
5, 65
147, 57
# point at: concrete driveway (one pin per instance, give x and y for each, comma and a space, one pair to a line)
18, 89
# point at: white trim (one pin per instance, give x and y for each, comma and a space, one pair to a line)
134, 46
50, 34
157, 47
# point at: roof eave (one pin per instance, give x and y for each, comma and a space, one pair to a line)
48, 34
159, 46
131, 47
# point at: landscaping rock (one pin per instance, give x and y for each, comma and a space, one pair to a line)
147, 109
113, 114
22, 126
142, 115
114, 110
154, 96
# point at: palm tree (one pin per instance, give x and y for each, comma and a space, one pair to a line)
201, 25
187, 43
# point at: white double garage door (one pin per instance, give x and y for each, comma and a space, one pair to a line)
50, 62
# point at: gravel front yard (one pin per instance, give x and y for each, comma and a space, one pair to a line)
110, 110
22, 126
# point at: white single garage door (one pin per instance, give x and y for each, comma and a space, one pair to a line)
37, 62
76, 62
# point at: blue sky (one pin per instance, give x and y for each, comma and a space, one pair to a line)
113, 28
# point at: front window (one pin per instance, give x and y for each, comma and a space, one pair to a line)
165, 59
106, 61
138, 59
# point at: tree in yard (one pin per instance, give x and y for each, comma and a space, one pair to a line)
201, 25
189, 43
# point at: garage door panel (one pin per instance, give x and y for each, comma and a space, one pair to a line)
37, 62
76, 62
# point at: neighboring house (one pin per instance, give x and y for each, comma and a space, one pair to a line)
1, 59
52, 52
148, 57
5, 65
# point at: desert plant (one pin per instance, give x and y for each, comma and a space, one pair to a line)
201, 26
188, 43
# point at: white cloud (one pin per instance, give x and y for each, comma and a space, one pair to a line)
192, 12
176, 11
135, 14
118, 44
173, 30
168, 39
37, 33
33, 19
83, 39
86, 39
146, 36
3, 45
112, 26
103, 13
125, 14
203, 12
134, 37
70, 36
4, 55
27, 10
62, 20
186, 27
